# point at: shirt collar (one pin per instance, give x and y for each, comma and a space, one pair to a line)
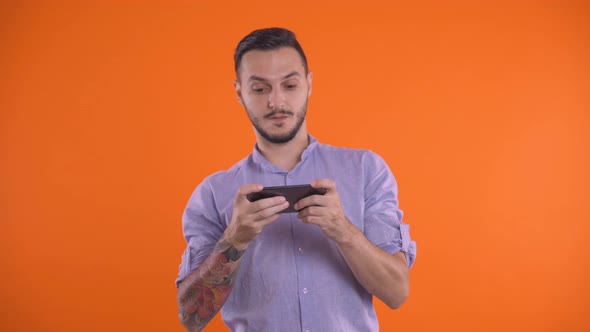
259, 159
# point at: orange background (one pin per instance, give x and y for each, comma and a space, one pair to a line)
112, 113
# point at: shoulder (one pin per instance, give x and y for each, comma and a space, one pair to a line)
228, 176
220, 183
217, 190
346, 155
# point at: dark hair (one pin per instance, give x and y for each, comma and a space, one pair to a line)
267, 39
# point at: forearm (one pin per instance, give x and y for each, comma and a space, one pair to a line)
202, 294
381, 273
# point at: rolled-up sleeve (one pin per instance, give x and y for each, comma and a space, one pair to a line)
201, 229
383, 224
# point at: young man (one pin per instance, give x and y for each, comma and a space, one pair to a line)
313, 270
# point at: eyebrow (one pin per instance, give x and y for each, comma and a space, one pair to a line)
262, 79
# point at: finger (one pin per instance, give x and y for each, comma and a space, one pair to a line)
268, 215
311, 211
328, 184
266, 203
243, 192
312, 220
246, 189
313, 200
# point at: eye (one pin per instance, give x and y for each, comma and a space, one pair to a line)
260, 89
290, 85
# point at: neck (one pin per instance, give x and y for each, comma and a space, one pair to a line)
285, 155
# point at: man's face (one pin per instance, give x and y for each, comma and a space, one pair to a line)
273, 87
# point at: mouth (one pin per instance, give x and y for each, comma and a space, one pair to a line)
278, 116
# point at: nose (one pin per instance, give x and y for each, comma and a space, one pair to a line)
276, 99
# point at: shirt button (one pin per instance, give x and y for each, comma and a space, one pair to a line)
305, 290
290, 175
300, 249
307, 330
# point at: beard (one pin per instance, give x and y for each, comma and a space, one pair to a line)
279, 138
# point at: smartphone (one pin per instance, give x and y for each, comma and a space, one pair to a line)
291, 193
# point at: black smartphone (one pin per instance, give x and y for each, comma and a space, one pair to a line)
291, 193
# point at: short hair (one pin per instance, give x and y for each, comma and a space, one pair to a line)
268, 39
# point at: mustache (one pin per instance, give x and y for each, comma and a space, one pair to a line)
276, 112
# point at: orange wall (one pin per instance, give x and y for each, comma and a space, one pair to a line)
112, 113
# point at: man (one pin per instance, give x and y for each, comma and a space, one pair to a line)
314, 270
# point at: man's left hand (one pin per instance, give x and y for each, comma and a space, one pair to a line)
326, 212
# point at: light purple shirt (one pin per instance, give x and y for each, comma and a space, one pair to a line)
292, 277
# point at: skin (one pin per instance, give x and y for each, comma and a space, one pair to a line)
381, 273
270, 81
274, 88
202, 294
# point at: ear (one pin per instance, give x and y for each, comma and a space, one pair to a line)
238, 88
309, 80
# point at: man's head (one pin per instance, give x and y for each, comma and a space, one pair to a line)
273, 83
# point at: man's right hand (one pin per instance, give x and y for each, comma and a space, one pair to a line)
249, 218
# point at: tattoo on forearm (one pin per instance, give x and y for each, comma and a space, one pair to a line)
206, 290
231, 253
